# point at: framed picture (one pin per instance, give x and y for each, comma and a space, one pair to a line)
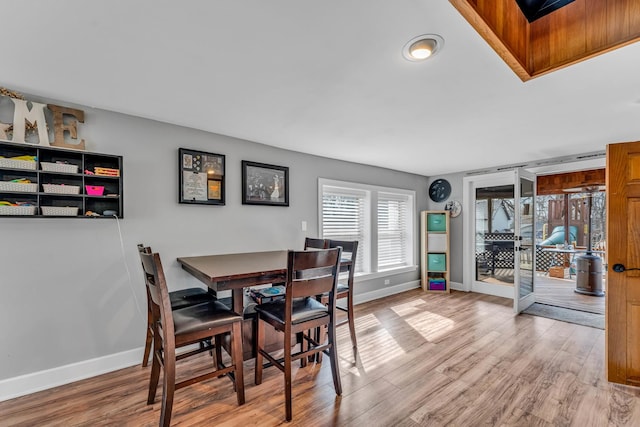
201, 177
264, 184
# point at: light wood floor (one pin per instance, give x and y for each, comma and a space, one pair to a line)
425, 359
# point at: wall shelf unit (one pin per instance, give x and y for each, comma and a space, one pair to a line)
434, 251
46, 182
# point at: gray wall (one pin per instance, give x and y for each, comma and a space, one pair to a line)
71, 289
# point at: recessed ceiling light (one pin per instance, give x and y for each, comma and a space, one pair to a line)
422, 47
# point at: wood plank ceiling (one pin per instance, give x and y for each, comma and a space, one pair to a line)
559, 183
576, 32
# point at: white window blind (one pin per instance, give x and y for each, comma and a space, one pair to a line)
381, 219
344, 217
394, 217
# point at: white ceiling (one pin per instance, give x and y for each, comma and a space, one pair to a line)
325, 78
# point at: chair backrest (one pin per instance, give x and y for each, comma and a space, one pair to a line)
349, 251
311, 273
142, 249
311, 242
158, 290
151, 307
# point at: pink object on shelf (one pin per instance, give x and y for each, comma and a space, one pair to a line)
94, 190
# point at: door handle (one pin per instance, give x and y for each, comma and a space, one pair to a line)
620, 268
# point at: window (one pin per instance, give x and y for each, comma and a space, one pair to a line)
394, 240
380, 219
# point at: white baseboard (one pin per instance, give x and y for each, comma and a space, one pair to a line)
385, 292
455, 286
492, 289
42, 380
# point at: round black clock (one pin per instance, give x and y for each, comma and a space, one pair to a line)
439, 190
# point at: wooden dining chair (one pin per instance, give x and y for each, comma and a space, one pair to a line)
179, 299
345, 286
309, 274
312, 242
183, 327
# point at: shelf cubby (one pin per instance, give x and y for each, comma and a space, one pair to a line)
57, 179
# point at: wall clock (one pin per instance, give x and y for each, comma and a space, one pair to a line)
439, 190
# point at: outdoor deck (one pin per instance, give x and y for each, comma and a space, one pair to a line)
553, 291
560, 292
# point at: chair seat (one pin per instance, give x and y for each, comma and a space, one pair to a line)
203, 317
303, 309
342, 288
190, 296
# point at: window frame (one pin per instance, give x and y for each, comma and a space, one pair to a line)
370, 245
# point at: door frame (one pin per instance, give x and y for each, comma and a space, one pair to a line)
468, 255
470, 184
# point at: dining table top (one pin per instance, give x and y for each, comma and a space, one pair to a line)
222, 268
237, 271
226, 267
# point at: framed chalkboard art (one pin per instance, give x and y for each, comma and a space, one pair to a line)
264, 184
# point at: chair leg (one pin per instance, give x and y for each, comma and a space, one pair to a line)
147, 343
316, 337
287, 377
218, 346
333, 355
352, 324
155, 370
236, 355
303, 346
168, 388
259, 346
321, 334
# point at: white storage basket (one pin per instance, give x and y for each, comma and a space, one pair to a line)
59, 211
59, 167
16, 186
17, 210
61, 189
17, 164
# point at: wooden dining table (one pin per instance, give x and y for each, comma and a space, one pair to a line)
235, 272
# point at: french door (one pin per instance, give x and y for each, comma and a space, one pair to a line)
525, 247
499, 239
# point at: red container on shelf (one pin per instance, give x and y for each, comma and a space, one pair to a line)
94, 190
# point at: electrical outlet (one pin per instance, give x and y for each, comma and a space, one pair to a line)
387, 281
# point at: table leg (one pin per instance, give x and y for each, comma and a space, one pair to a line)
237, 300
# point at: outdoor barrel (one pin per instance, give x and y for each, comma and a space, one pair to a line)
589, 275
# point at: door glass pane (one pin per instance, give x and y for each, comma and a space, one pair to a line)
494, 238
527, 239
588, 208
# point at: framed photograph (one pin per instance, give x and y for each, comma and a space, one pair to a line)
264, 184
201, 177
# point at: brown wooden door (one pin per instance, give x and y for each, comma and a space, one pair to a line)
623, 240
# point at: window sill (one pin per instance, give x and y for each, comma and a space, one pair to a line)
363, 277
